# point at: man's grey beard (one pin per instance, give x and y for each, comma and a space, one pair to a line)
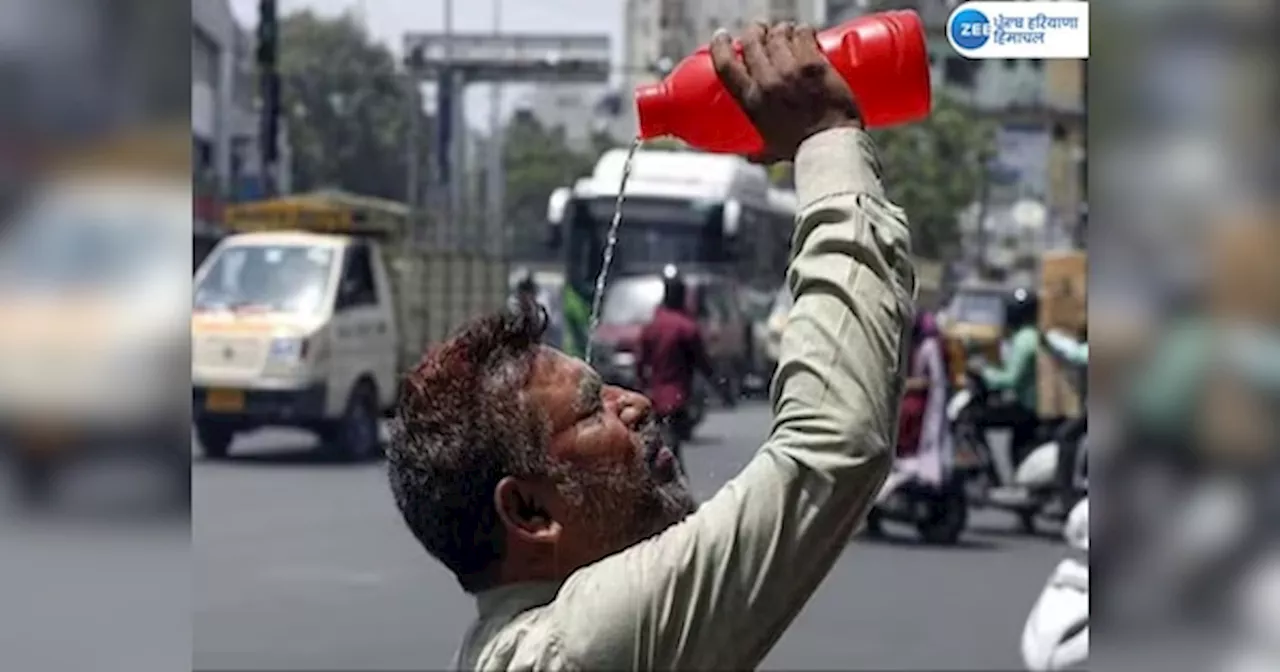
627, 503
671, 501
635, 507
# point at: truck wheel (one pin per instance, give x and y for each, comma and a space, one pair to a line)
215, 439
355, 436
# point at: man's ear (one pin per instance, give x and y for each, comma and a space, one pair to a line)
523, 509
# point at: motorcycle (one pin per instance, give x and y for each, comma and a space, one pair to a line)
998, 478
1056, 634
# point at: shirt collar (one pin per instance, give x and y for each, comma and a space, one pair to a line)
516, 597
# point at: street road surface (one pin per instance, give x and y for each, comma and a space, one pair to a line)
302, 564
100, 582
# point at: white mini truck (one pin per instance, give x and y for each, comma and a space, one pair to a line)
313, 330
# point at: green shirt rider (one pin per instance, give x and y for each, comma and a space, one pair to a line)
1012, 404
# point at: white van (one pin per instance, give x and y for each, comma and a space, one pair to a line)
313, 330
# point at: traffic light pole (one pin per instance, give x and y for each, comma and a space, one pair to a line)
269, 93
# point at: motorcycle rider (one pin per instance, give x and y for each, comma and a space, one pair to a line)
670, 352
1074, 353
1016, 374
527, 291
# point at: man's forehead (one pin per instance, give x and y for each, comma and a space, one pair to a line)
553, 368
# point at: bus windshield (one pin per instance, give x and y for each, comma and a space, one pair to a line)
655, 232
267, 278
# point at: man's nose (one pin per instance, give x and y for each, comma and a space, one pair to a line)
633, 408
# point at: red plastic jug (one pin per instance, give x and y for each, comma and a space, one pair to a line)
882, 56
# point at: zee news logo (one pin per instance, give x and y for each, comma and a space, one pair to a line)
1040, 29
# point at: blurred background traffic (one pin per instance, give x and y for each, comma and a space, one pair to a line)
365, 175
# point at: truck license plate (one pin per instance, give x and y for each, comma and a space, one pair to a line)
224, 401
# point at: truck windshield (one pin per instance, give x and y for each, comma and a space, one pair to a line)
267, 278
979, 308
631, 301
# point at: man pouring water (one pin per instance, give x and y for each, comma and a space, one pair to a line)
551, 495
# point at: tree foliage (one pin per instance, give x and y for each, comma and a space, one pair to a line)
934, 168
347, 106
537, 161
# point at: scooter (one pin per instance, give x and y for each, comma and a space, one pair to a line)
1257, 610
939, 513
1056, 634
997, 478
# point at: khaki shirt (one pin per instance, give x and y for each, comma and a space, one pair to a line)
718, 589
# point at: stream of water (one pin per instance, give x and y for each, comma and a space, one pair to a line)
611, 242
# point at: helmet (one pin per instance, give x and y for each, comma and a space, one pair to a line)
527, 285
1022, 307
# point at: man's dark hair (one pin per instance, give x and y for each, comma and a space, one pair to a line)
462, 425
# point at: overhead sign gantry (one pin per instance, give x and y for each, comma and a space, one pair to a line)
455, 60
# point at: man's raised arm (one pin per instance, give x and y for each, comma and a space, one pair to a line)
717, 590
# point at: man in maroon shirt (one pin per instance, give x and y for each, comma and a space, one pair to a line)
671, 351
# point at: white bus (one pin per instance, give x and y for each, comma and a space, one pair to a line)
707, 211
